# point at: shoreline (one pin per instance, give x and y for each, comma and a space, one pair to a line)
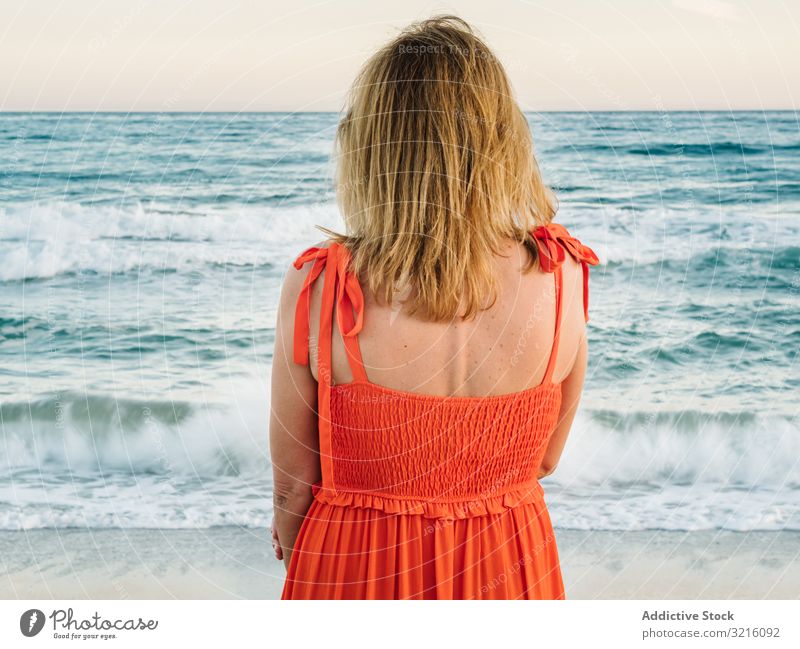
234, 562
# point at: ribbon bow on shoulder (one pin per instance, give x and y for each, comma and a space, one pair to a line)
552, 243
347, 293
552, 255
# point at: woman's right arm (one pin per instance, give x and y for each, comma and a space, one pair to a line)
571, 390
573, 329
293, 432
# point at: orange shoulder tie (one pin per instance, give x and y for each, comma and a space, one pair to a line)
342, 289
303, 307
348, 295
552, 240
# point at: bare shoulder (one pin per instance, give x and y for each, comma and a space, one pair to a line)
572, 269
572, 273
292, 284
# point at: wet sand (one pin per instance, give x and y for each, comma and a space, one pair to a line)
232, 562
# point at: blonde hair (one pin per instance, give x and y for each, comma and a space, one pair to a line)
435, 167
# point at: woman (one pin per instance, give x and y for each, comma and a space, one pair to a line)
428, 363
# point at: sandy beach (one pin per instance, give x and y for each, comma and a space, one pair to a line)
233, 562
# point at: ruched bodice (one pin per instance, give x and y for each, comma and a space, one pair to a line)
438, 456
390, 457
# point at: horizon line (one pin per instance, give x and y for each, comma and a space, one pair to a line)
328, 112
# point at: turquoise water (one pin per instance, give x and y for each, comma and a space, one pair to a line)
141, 257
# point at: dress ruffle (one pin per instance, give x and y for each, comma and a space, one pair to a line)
364, 553
441, 509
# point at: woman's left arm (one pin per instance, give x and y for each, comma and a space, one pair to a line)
293, 433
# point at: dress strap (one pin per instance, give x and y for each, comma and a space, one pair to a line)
553, 241
342, 291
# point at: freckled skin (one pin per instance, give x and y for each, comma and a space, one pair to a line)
503, 350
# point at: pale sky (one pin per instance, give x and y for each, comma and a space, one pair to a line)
250, 55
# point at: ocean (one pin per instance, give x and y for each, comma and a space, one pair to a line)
141, 257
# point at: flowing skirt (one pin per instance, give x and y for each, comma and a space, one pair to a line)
345, 552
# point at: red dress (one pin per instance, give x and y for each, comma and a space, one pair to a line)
425, 496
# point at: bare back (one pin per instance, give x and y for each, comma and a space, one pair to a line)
505, 349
